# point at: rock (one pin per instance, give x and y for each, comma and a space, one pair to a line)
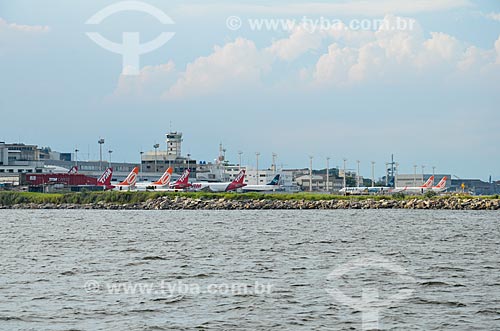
217, 203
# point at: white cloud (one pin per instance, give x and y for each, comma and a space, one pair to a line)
394, 55
493, 16
497, 48
151, 81
375, 57
440, 48
358, 7
472, 57
16, 38
335, 65
4, 25
300, 41
234, 65
385, 56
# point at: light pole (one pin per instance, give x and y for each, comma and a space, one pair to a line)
433, 174
345, 174
310, 173
415, 175
387, 174
274, 163
76, 157
358, 178
396, 175
141, 152
100, 142
423, 170
257, 154
239, 155
328, 174
110, 151
373, 173
156, 146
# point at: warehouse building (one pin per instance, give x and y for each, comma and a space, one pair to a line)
415, 180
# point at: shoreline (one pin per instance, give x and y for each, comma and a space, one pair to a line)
127, 201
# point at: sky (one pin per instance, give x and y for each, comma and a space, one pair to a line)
359, 80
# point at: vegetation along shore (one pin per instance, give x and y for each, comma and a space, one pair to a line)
229, 201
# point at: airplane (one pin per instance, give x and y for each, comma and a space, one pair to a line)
182, 183
441, 186
105, 179
130, 182
221, 187
73, 170
165, 179
427, 186
163, 182
271, 186
366, 190
72, 179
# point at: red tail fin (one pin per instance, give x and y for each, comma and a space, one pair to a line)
240, 178
237, 182
428, 183
105, 179
165, 179
442, 183
131, 179
73, 170
182, 182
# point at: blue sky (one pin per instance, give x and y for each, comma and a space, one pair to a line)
430, 94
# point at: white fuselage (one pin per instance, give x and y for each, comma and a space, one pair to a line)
366, 190
412, 190
149, 187
261, 188
212, 187
124, 188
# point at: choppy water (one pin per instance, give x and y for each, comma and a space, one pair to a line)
60, 269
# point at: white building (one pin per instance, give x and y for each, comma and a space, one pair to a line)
319, 183
19, 158
261, 177
174, 144
158, 160
212, 172
265, 176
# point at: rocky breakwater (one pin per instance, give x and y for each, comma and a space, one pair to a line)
186, 203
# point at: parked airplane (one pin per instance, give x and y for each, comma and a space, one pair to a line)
427, 186
366, 190
441, 186
73, 170
221, 187
105, 179
163, 182
71, 179
182, 183
165, 179
130, 182
271, 186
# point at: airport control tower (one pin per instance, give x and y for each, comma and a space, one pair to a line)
174, 142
